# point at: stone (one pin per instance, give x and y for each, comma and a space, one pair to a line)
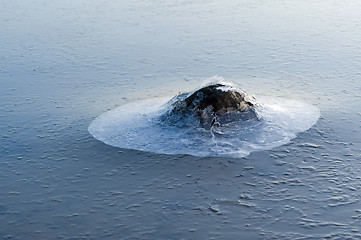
216, 103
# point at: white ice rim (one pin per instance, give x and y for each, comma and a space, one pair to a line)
131, 127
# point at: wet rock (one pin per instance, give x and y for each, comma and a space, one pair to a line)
219, 97
215, 104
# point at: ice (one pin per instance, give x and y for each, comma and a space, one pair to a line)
63, 63
136, 126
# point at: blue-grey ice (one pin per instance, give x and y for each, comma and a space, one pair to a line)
141, 125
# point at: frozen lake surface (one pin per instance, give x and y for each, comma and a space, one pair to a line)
63, 63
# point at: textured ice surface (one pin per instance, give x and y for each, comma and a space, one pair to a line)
63, 63
138, 126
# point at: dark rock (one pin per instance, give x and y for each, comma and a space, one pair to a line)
215, 104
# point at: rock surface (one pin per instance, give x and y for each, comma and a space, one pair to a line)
215, 104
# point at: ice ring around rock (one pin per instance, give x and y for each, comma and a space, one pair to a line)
215, 120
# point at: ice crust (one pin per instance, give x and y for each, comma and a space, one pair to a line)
137, 126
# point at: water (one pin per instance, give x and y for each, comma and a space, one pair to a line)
63, 63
